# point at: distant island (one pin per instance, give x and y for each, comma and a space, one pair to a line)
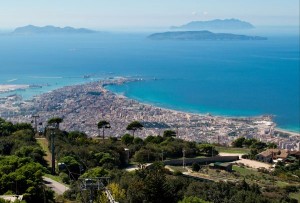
201, 35
217, 24
49, 29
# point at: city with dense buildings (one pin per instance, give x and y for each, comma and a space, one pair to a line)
83, 106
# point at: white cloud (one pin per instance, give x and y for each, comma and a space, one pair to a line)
194, 13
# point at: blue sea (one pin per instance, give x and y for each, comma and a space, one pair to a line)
231, 78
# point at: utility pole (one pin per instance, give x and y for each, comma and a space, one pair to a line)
52, 137
183, 158
53, 152
35, 122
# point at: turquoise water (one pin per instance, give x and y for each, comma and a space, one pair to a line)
223, 78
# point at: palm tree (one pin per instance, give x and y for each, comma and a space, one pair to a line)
103, 124
56, 121
133, 126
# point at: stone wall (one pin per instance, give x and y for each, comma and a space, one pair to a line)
205, 160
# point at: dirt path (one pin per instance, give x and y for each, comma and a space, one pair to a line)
44, 144
248, 162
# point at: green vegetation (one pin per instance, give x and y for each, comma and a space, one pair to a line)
232, 150
253, 145
169, 133
295, 196
22, 166
55, 121
244, 171
103, 125
134, 126
22, 163
192, 199
44, 144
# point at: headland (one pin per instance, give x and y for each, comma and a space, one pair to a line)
82, 106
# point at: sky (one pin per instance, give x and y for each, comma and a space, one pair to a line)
118, 14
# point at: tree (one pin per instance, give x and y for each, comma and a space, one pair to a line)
76, 136
144, 156
259, 145
136, 191
208, 149
127, 139
192, 199
117, 192
94, 173
23, 176
56, 121
169, 133
6, 128
103, 124
156, 188
133, 126
138, 141
36, 153
272, 145
238, 142
195, 167
72, 165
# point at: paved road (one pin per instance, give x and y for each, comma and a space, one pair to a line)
57, 187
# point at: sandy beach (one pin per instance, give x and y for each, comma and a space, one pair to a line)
8, 88
287, 132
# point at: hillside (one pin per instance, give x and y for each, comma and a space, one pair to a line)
217, 24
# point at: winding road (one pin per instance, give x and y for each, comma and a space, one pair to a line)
57, 187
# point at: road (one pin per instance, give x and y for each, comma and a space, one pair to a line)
57, 187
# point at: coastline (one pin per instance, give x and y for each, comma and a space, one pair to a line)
9, 88
81, 109
277, 128
284, 131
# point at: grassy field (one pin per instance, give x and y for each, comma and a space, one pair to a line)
244, 171
281, 184
44, 144
232, 150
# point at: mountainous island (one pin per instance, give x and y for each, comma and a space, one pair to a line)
49, 29
217, 24
201, 35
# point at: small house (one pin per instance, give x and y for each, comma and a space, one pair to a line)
222, 166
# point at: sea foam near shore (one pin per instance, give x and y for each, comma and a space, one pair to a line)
9, 88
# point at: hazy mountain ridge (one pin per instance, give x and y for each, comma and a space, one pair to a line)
49, 29
201, 35
217, 24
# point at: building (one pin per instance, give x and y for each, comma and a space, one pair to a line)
222, 166
270, 155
